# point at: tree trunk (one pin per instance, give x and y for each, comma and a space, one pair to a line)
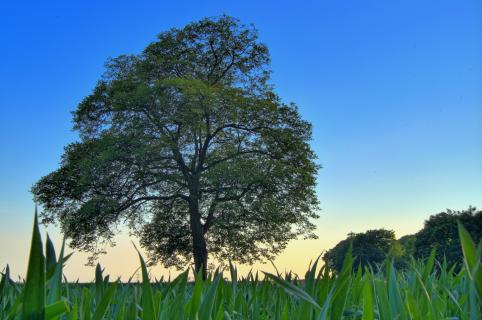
200, 252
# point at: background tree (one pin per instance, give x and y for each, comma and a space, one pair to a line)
440, 232
369, 248
188, 144
403, 259
408, 244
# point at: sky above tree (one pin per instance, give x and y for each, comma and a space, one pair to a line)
392, 90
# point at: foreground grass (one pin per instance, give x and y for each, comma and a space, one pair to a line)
427, 290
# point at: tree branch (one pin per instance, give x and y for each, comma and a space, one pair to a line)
232, 156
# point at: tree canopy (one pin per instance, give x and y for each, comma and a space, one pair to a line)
368, 248
188, 145
440, 232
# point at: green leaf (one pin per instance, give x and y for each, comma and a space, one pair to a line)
33, 304
397, 305
429, 266
99, 282
147, 300
85, 304
468, 247
73, 314
5, 280
471, 259
196, 295
290, 288
55, 281
54, 310
101, 309
368, 313
51, 259
208, 301
326, 305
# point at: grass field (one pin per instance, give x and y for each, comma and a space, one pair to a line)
426, 290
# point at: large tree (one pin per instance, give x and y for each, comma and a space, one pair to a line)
188, 145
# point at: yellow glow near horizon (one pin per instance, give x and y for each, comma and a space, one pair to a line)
122, 260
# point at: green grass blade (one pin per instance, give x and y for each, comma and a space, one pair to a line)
5, 280
55, 282
101, 309
471, 259
397, 305
99, 282
290, 288
33, 305
85, 304
74, 313
368, 313
56, 309
196, 296
208, 301
51, 259
326, 305
147, 300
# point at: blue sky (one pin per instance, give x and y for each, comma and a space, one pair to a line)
393, 89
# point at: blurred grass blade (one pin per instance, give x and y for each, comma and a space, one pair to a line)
429, 265
326, 305
54, 310
85, 315
468, 248
101, 309
5, 280
472, 258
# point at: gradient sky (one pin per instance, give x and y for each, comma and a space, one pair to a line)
393, 89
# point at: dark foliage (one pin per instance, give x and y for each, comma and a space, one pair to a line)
440, 232
369, 248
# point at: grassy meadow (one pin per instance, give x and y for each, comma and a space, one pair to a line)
425, 290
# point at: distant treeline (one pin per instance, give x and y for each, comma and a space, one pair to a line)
439, 233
